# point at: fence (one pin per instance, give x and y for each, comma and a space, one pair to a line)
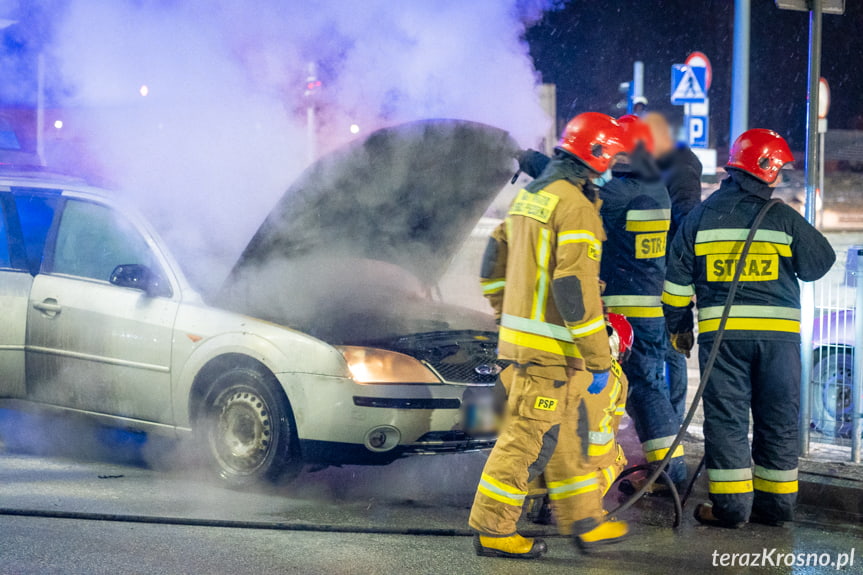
832, 386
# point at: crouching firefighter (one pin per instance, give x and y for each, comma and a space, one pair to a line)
544, 263
758, 363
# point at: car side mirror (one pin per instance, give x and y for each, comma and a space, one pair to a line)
137, 276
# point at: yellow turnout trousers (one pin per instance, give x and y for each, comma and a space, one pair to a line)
604, 412
540, 435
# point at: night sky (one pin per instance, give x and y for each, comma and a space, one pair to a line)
587, 49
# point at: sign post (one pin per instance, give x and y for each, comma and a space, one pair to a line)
807, 290
823, 109
690, 82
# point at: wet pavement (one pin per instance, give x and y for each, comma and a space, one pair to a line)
98, 507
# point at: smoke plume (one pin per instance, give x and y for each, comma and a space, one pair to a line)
198, 110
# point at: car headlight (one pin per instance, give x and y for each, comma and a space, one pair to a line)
372, 365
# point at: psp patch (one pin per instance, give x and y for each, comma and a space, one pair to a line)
534, 205
545, 404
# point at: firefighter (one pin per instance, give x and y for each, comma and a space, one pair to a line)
681, 172
758, 363
636, 211
611, 462
604, 411
544, 263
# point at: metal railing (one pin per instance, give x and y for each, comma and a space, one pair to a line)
834, 390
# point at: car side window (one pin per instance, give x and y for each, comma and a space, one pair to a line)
92, 240
35, 213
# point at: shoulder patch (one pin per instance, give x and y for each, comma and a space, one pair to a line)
534, 205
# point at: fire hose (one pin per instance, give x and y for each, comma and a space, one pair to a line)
659, 469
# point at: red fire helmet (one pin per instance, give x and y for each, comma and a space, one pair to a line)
635, 131
593, 138
760, 153
624, 333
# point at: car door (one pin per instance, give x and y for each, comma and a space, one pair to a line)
15, 282
93, 345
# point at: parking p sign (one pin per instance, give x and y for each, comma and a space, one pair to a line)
697, 130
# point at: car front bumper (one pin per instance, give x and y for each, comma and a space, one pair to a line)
341, 421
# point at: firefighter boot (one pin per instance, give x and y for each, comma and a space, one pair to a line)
704, 515
606, 533
514, 547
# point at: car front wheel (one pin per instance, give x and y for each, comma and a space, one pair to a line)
246, 428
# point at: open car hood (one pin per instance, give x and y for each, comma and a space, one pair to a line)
408, 195
352, 252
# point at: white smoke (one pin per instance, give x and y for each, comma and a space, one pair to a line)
221, 129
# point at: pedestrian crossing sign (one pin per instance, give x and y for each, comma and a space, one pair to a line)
688, 84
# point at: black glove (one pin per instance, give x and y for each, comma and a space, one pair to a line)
683, 342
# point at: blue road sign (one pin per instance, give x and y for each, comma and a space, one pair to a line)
696, 128
688, 84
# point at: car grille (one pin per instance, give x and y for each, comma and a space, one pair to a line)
469, 371
458, 357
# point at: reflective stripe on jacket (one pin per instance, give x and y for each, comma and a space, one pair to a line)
636, 212
541, 274
706, 252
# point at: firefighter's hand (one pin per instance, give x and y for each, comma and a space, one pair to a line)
683, 342
600, 381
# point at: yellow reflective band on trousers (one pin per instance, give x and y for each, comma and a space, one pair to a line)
751, 324
730, 481
659, 454
587, 328
730, 487
750, 311
502, 492
573, 486
634, 305
539, 342
648, 220
775, 480
493, 286
657, 449
540, 293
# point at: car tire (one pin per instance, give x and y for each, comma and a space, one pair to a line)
246, 429
833, 372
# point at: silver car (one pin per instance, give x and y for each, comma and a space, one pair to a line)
99, 320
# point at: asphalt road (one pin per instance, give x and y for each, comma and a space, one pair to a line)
97, 503
45, 546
